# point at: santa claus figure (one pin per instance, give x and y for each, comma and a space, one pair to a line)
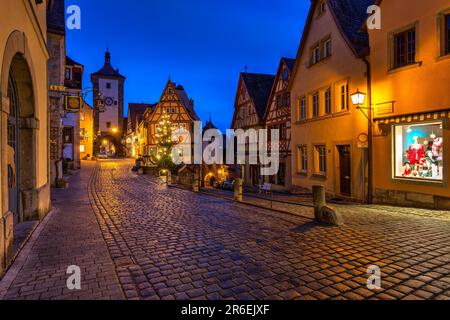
416, 152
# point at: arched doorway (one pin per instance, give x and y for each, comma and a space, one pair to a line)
108, 146
210, 181
21, 145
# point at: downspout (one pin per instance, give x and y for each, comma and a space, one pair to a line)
370, 132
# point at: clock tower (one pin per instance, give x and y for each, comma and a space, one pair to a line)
108, 84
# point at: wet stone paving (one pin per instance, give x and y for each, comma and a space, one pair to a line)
135, 238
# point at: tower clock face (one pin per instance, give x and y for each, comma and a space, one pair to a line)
109, 101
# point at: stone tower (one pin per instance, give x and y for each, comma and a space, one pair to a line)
108, 84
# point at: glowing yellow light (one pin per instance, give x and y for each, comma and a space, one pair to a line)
115, 130
105, 142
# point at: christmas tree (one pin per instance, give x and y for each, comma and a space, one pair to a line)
163, 155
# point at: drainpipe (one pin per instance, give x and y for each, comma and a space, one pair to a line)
370, 132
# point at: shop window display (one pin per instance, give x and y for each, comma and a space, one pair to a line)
419, 151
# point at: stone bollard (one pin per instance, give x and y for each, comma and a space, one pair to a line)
320, 201
195, 187
238, 190
330, 215
169, 178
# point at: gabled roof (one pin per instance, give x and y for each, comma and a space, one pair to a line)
107, 69
259, 87
289, 63
209, 125
136, 113
188, 103
349, 16
56, 21
71, 62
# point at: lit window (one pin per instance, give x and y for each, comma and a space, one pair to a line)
82, 148
328, 101
82, 116
315, 104
419, 151
320, 160
343, 97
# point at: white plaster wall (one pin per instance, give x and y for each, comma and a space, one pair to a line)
111, 113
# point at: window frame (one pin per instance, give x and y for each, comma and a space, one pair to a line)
327, 48
315, 105
394, 153
303, 110
302, 154
68, 74
343, 97
320, 160
327, 100
392, 53
446, 34
405, 48
315, 54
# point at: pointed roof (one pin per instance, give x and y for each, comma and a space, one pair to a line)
289, 63
259, 87
181, 94
107, 69
136, 113
71, 62
349, 16
209, 125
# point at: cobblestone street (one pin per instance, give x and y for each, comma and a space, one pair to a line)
139, 239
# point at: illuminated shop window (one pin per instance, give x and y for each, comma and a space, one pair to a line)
419, 151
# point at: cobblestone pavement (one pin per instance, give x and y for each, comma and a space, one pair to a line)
168, 243
71, 237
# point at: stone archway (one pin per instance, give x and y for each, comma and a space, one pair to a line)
209, 180
106, 142
17, 82
23, 150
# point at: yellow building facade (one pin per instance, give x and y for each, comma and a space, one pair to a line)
87, 133
24, 174
328, 134
410, 59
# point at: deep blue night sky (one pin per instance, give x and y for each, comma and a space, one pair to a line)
201, 44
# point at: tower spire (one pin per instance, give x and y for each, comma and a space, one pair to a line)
107, 56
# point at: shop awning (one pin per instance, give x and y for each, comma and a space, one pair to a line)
407, 118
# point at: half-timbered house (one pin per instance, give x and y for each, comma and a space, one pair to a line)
249, 108
278, 117
175, 102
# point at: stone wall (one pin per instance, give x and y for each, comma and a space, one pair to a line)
410, 199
